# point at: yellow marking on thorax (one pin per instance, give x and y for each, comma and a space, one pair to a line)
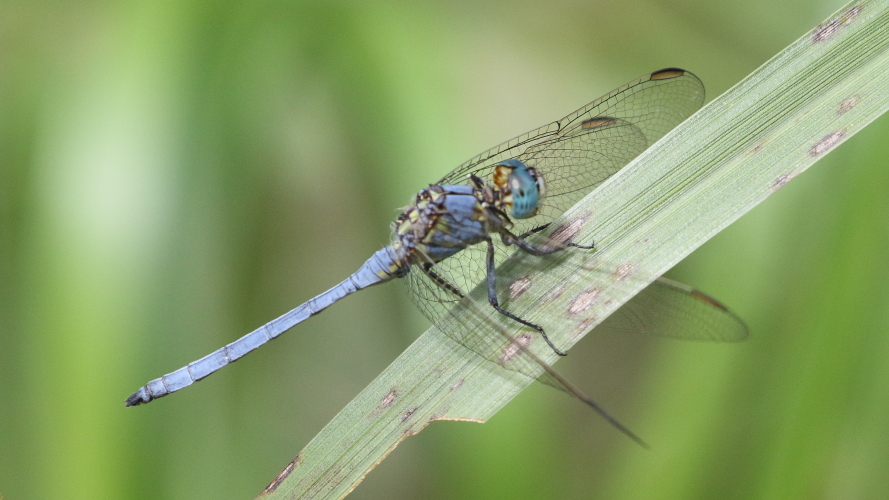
501, 176
404, 227
435, 195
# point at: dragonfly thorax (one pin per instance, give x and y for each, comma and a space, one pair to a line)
444, 219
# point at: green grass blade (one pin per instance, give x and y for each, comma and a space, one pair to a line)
719, 164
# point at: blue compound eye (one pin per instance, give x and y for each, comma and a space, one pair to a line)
525, 193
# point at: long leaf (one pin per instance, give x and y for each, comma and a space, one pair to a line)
719, 164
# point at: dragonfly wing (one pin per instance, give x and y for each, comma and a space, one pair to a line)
573, 164
580, 151
444, 302
510, 348
670, 309
466, 270
655, 103
429, 297
574, 154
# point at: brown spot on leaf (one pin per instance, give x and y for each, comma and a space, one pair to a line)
584, 326
519, 286
556, 293
408, 413
584, 301
282, 476
566, 232
825, 31
756, 149
459, 419
848, 104
829, 29
826, 143
624, 271
389, 398
781, 181
515, 348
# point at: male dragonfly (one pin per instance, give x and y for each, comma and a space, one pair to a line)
444, 242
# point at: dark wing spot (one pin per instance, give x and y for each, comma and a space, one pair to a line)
667, 73
598, 122
703, 297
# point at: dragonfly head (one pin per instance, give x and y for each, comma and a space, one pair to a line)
523, 185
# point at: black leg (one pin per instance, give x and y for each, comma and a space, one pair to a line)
582, 247
534, 231
492, 298
519, 241
511, 239
427, 269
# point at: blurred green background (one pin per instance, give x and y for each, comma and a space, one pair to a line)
174, 174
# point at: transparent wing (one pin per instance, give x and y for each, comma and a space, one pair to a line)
585, 148
654, 103
665, 307
430, 297
670, 309
511, 351
574, 155
575, 163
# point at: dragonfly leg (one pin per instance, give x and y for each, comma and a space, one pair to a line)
492, 299
427, 270
582, 247
534, 231
519, 241
511, 239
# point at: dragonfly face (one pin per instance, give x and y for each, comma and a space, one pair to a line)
523, 187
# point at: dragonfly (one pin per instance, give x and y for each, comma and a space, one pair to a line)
456, 232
